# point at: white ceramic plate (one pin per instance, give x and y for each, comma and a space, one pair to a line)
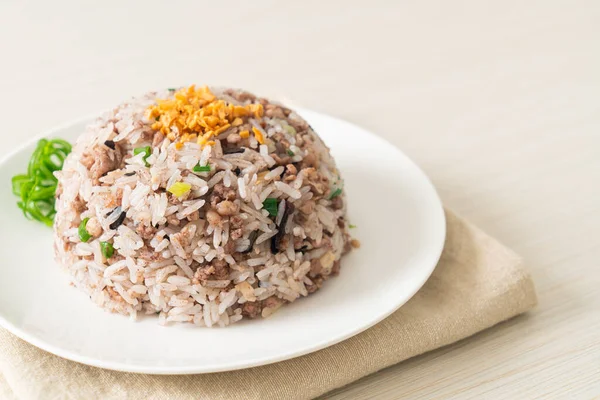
400, 223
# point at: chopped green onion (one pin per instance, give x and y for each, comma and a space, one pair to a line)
146, 150
107, 249
171, 89
157, 118
351, 226
179, 188
17, 181
37, 187
83, 233
201, 168
290, 153
270, 205
335, 193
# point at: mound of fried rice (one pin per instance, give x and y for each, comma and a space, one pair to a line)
202, 205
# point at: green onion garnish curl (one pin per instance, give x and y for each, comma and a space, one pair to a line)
37, 187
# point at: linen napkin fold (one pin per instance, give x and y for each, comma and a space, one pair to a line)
477, 284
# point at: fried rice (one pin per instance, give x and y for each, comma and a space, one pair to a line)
202, 205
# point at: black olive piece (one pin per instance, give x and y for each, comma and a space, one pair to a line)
110, 144
276, 240
234, 150
252, 238
112, 211
118, 222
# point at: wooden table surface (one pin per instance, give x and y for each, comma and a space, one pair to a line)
498, 102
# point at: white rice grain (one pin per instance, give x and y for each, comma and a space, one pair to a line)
242, 187
287, 189
114, 268
190, 209
273, 173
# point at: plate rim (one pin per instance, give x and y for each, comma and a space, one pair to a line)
432, 260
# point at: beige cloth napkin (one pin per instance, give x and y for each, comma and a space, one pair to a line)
477, 283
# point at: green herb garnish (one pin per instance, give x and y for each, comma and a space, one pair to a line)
171, 89
201, 168
82, 231
335, 193
351, 226
290, 153
107, 249
37, 187
146, 150
270, 205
